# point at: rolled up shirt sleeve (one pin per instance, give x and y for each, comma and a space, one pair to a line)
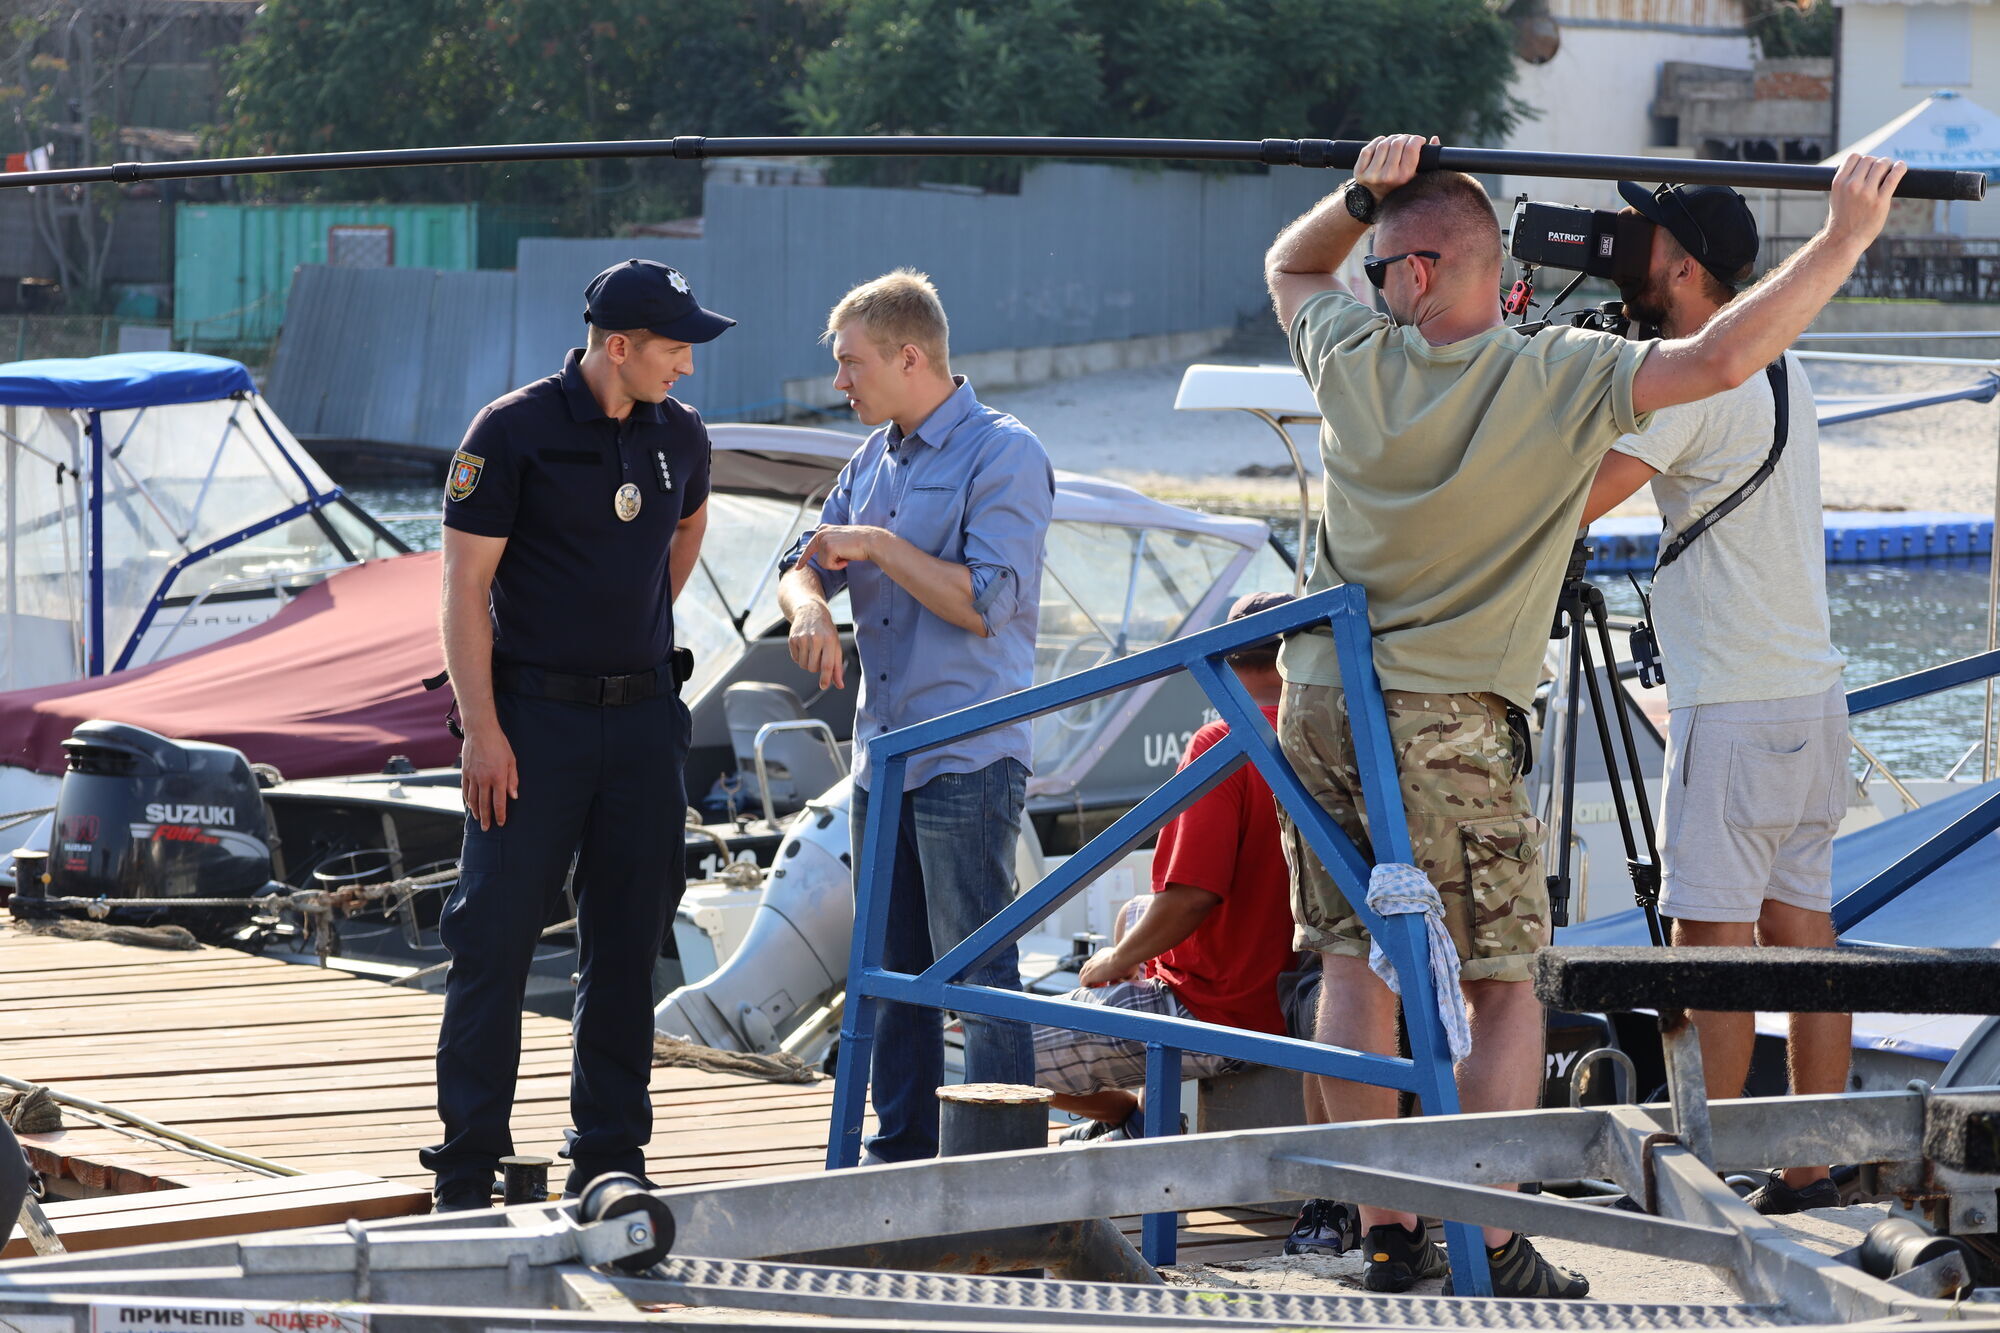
1007, 516
834, 513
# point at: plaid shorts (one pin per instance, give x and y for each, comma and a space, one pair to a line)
1072, 1063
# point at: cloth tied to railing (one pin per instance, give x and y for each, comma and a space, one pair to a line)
1395, 890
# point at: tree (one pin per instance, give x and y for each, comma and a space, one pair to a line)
327, 75
1245, 69
68, 85
1787, 28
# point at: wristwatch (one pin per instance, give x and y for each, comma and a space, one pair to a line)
1361, 202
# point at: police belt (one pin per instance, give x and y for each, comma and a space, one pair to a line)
598, 691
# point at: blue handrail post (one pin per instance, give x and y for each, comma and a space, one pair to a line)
871, 928
1160, 1232
1406, 938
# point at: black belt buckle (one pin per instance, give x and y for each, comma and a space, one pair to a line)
617, 691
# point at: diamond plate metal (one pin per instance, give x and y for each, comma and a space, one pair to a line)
752, 1285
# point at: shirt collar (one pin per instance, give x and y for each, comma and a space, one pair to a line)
943, 420
583, 404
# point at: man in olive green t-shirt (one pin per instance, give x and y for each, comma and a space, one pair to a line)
1457, 456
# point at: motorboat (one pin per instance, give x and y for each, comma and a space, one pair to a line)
363, 794
151, 504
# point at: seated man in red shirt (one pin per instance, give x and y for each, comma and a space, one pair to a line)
1214, 938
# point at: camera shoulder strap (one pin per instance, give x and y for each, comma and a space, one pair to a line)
1782, 398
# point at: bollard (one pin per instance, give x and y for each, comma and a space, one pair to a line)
526, 1179
992, 1117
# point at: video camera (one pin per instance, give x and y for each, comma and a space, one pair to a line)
1589, 242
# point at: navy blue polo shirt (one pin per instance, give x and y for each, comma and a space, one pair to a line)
578, 588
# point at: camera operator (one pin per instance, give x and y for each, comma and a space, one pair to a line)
1457, 459
1740, 613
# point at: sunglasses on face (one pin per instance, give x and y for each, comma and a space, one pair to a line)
1377, 268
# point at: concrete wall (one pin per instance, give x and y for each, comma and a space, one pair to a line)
1908, 317
1087, 268
1596, 95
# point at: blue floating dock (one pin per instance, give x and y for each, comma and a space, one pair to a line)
1618, 545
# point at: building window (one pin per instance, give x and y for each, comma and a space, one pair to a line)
1937, 46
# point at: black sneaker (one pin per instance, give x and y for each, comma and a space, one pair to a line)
1774, 1198
1519, 1271
1399, 1259
1324, 1227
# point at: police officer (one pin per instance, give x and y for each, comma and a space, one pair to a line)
573, 516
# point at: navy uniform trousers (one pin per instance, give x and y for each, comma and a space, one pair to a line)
605, 785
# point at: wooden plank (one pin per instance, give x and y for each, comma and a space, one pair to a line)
234, 1211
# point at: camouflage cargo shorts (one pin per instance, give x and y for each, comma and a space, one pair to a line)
1468, 815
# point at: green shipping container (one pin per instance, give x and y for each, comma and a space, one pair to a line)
233, 262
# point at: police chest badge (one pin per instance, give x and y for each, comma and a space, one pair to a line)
626, 502
465, 470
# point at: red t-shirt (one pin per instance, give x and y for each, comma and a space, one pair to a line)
1227, 843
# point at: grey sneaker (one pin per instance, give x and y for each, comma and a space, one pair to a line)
1520, 1271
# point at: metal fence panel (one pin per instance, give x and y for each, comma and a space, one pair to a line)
1083, 254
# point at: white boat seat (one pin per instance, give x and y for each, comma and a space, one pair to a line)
798, 763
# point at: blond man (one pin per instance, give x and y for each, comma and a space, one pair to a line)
935, 529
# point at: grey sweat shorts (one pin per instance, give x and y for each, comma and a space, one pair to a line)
1755, 793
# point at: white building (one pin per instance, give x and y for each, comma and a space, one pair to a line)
1596, 93
1894, 54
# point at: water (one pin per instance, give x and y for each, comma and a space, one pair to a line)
1888, 619
403, 497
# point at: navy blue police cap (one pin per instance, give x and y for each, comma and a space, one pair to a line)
646, 294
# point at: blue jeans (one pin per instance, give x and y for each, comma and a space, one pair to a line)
954, 871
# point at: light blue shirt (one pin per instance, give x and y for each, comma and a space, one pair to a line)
972, 486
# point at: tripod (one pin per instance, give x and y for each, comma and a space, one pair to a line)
1579, 614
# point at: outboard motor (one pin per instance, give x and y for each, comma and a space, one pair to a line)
795, 952
142, 816
794, 956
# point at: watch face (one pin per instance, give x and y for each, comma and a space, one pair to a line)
1360, 202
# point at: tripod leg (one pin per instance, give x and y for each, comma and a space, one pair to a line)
1649, 894
1567, 613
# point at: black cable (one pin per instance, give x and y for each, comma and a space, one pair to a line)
1922, 183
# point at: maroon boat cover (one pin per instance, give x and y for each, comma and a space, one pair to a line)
331, 684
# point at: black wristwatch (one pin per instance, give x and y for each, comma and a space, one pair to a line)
1361, 202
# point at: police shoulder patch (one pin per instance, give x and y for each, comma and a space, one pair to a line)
465, 470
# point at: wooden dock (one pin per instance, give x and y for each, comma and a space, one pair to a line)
328, 1073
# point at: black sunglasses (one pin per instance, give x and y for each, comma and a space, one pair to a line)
1377, 269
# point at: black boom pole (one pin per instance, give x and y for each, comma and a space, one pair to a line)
1336, 153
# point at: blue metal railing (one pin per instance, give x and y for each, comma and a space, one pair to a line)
1910, 868
1250, 740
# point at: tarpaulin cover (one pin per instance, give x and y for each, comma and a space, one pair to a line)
122, 381
329, 685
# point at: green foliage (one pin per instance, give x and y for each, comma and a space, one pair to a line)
330, 75
1241, 69
1786, 28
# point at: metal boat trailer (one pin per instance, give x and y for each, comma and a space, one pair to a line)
612, 1260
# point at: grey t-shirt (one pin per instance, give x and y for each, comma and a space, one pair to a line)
1742, 614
